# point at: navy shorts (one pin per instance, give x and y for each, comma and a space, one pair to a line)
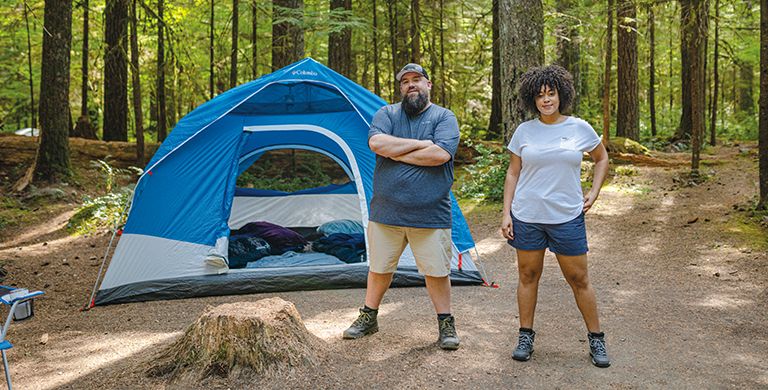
567, 238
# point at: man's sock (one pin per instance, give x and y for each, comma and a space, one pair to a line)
442, 316
526, 330
369, 310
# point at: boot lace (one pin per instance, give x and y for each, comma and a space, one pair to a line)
598, 347
446, 328
363, 319
525, 342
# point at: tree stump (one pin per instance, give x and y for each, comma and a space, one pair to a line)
238, 340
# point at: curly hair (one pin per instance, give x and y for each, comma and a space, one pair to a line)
554, 77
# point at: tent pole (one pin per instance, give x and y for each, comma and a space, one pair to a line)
90, 303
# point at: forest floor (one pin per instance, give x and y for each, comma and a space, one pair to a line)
680, 274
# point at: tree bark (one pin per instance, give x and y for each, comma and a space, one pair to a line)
84, 128
567, 43
716, 78
116, 71
684, 128
392, 13
627, 116
32, 113
233, 53
52, 160
376, 80
652, 70
254, 40
494, 125
763, 121
266, 338
340, 43
443, 77
521, 34
694, 27
607, 75
211, 41
746, 80
162, 117
138, 116
287, 37
415, 33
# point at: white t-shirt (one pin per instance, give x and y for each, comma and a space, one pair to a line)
549, 187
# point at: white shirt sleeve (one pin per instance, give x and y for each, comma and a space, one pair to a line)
516, 143
588, 138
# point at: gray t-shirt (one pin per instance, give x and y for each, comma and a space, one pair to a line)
411, 195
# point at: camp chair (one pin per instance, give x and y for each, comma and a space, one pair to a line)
16, 298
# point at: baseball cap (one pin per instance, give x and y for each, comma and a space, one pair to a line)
412, 68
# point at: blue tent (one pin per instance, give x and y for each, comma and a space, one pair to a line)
186, 202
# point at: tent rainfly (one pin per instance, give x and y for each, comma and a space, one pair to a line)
186, 202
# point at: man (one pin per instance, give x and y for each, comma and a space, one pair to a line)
415, 142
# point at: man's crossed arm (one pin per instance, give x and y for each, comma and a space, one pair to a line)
410, 151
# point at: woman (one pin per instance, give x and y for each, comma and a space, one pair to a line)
543, 201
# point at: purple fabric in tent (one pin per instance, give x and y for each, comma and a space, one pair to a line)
280, 239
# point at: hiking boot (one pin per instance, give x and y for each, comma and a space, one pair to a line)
448, 337
364, 325
597, 350
524, 346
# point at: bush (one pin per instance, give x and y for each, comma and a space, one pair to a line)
485, 178
103, 212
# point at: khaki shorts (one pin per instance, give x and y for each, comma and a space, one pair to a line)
431, 248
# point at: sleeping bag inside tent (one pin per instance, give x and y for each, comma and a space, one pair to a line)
192, 231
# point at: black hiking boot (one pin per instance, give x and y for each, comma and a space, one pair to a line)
597, 350
364, 325
448, 337
524, 346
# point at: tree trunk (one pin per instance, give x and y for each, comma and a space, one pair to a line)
567, 42
494, 125
211, 42
138, 116
521, 36
652, 70
443, 77
746, 80
403, 31
52, 160
84, 128
287, 38
694, 27
607, 75
716, 78
162, 117
392, 13
233, 54
415, 32
376, 80
32, 113
684, 128
340, 43
627, 116
116, 71
84, 62
763, 137
254, 40
266, 338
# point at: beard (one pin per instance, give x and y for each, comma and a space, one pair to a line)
413, 105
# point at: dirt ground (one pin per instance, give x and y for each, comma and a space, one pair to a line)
682, 289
